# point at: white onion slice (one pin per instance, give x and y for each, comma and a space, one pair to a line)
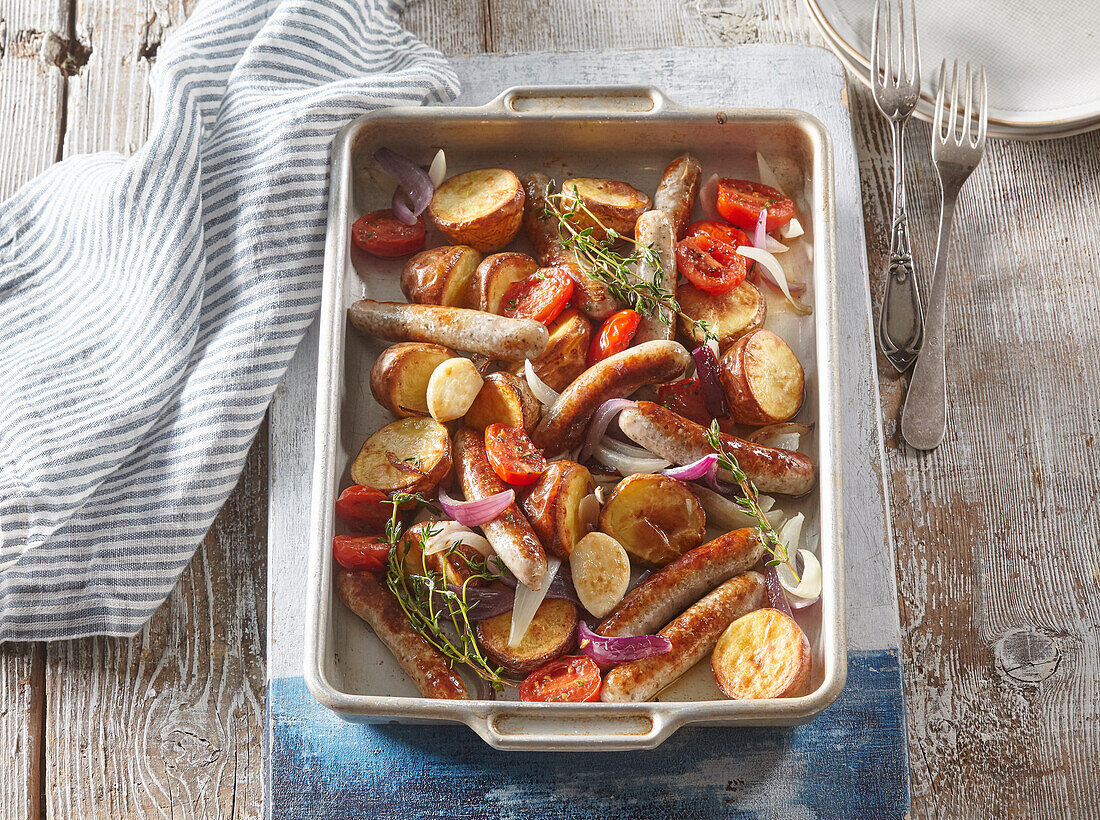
626, 449
792, 230
775, 516
785, 435
527, 603
438, 170
765, 502
546, 394
791, 531
759, 235
708, 198
589, 510
807, 590
628, 464
773, 245
772, 266
452, 532
766, 174
720, 510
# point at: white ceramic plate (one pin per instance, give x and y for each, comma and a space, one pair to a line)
1042, 59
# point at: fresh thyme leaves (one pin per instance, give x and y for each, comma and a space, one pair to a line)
616, 271
440, 615
749, 501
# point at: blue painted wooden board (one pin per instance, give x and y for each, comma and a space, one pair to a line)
849, 762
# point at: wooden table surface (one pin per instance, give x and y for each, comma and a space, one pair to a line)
998, 536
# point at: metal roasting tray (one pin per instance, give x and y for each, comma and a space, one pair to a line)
627, 133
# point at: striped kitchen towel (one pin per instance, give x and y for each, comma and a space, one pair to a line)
150, 304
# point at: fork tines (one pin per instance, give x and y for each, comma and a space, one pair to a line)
895, 57
971, 126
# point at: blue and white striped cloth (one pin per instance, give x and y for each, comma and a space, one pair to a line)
150, 304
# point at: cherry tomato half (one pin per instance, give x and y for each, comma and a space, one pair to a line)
685, 398
512, 455
363, 508
710, 264
741, 201
568, 679
360, 553
719, 231
542, 296
380, 233
614, 336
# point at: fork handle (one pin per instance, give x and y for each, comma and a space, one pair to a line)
901, 323
924, 417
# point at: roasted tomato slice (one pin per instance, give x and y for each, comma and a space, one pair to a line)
360, 553
719, 231
710, 264
512, 455
380, 233
542, 296
363, 509
614, 336
568, 679
741, 201
685, 398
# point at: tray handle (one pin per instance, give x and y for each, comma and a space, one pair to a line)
566, 729
634, 100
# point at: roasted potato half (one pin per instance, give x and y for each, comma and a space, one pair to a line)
601, 572
566, 351
551, 633
482, 208
504, 398
762, 655
496, 273
762, 379
399, 377
409, 455
731, 314
555, 506
442, 276
615, 205
656, 518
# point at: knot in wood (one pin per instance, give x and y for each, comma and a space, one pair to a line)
1026, 655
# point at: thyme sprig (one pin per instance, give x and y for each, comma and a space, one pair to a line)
437, 613
618, 272
749, 501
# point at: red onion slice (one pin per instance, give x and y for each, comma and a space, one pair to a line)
772, 271
410, 177
776, 596
708, 198
476, 513
598, 426
697, 469
602, 649
485, 602
760, 235
706, 365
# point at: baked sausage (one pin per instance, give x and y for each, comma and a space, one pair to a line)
589, 294
510, 534
654, 229
673, 437
368, 597
476, 331
563, 423
675, 587
692, 635
677, 191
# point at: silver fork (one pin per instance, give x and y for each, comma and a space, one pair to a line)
896, 88
956, 153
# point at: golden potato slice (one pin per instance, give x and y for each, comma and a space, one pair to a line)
452, 388
496, 273
504, 398
601, 572
550, 634
656, 518
566, 352
553, 506
731, 314
441, 276
410, 455
762, 379
615, 205
482, 208
762, 655
399, 377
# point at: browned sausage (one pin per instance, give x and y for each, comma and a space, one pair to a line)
692, 635
668, 592
510, 534
654, 229
671, 436
589, 294
563, 424
677, 191
498, 337
367, 596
